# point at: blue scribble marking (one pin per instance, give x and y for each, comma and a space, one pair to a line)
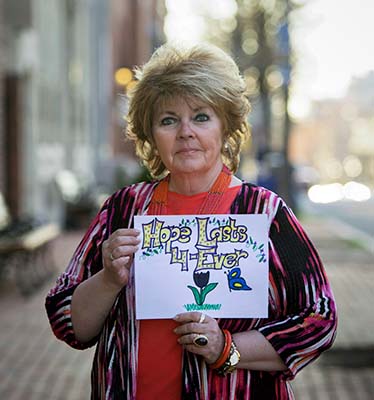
235, 281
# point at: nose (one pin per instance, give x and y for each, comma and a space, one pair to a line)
185, 129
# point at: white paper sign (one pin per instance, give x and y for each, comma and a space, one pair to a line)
216, 264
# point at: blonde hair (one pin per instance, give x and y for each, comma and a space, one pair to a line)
203, 72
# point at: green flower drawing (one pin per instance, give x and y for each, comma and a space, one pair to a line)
201, 280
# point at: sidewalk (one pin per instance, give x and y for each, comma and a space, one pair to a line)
35, 366
347, 370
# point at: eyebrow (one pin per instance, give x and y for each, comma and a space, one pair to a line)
174, 113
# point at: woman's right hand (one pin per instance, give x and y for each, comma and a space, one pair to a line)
117, 254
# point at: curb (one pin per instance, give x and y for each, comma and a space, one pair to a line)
353, 357
347, 232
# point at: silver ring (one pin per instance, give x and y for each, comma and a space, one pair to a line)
200, 340
111, 257
202, 318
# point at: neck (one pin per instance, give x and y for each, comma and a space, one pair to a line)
193, 183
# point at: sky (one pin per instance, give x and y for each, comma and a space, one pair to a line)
333, 41
334, 45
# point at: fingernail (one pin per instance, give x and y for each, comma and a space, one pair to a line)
176, 318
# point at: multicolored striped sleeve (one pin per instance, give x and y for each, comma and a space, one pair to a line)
85, 262
302, 313
117, 212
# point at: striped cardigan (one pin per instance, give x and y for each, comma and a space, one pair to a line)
301, 322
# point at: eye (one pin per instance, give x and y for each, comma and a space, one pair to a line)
167, 121
202, 117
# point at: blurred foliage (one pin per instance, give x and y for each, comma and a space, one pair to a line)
257, 37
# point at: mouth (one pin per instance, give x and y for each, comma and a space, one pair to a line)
187, 151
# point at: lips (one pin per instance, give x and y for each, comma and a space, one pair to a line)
186, 150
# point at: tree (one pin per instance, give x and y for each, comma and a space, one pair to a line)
259, 42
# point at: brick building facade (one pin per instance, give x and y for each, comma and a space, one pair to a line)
60, 127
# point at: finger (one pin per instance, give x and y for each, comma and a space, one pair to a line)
105, 245
191, 348
191, 317
210, 351
121, 237
112, 243
117, 272
126, 232
187, 339
119, 269
107, 252
122, 251
190, 327
121, 262
123, 241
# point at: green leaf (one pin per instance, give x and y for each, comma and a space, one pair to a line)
196, 294
208, 288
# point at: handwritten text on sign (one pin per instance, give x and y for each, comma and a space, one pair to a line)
217, 264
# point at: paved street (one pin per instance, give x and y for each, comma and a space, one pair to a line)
355, 216
35, 366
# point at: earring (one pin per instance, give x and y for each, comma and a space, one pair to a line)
227, 149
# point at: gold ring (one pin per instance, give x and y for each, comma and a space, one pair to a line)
200, 340
202, 318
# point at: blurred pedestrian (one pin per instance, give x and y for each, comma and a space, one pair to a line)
188, 116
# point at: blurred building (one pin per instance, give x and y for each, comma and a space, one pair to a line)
57, 136
137, 29
338, 137
358, 112
2, 134
56, 100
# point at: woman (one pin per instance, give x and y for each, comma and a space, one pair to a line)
187, 117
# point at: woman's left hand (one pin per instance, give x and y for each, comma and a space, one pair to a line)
194, 324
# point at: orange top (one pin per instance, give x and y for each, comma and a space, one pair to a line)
160, 355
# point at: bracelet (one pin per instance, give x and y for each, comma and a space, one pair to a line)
231, 362
225, 352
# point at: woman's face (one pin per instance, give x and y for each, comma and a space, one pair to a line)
188, 136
